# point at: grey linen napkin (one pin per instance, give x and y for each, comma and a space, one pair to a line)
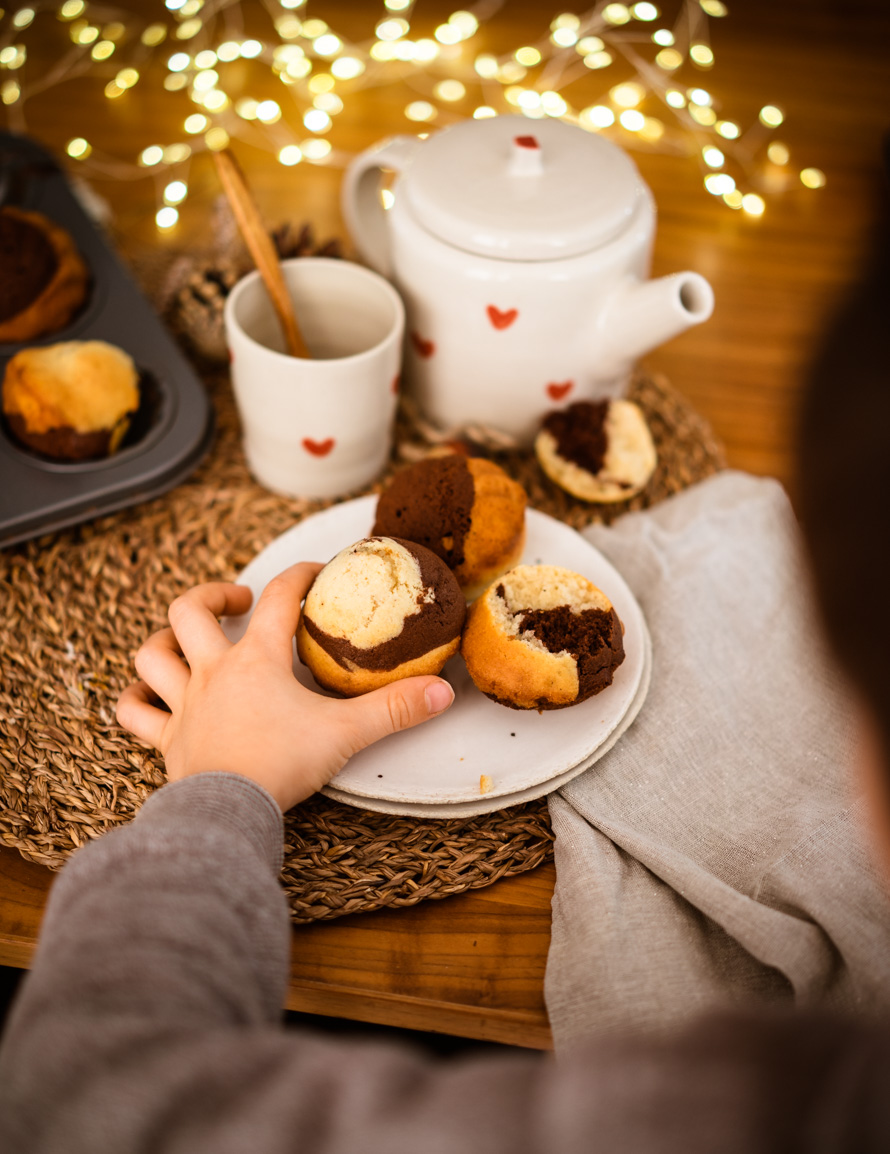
718, 854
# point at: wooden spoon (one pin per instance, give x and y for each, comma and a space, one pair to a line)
261, 248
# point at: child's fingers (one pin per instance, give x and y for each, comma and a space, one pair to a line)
277, 612
159, 664
194, 617
136, 713
395, 707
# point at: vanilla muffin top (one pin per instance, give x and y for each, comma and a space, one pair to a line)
83, 385
382, 602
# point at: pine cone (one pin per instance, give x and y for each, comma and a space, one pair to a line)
197, 287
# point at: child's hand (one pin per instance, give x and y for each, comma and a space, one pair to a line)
239, 707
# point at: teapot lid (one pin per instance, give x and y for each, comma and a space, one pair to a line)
521, 189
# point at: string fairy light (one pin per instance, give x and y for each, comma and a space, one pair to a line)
197, 50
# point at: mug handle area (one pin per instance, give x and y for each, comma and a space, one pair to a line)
363, 209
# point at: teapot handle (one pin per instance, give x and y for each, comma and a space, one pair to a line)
363, 212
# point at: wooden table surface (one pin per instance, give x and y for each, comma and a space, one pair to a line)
473, 965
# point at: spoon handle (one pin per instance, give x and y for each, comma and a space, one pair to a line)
261, 248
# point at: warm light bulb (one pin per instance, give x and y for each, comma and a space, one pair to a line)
450, 90
728, 129
420, 110
663, 37
78, 148
753, 204
290, 155
176, 192
269, 111
644, 12
597, 116
347, 68
813, 178
166, 217
627, 95
701, 55
771, 116
778, 153
713, 157
669, 59
632, 120
528, 56
719, 183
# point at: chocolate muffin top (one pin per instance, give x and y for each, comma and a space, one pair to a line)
580, 433
592, 636
430, 503
383, 602
28, 261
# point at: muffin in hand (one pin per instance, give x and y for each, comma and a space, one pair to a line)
380, 610
542, 637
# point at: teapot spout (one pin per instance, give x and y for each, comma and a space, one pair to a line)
644, 314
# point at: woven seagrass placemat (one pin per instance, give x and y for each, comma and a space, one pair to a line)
77, 604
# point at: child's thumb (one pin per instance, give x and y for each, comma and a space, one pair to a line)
397, 706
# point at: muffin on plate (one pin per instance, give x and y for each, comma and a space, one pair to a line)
464, 509
598, 451
72, 401
542, 637
380, 610
45, 280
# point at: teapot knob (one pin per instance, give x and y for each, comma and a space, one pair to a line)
526, 157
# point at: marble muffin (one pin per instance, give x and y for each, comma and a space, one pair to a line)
466, 510
72, 401
542, 637
45, 280
381, 610
600, 452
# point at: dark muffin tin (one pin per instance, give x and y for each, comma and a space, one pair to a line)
173, 429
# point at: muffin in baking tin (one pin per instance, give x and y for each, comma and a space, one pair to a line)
382, 609
542, 637
45, 280
598, 451
71, 401
465, 510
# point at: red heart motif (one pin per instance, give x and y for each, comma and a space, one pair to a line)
526, 141
501, 320
318, 448
558, 391
425, 348
395, 383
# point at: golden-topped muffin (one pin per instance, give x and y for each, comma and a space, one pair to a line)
72, 401
542, 637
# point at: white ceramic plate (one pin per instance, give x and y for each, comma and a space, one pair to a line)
441, 762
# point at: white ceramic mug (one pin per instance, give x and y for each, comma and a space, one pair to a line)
319, 427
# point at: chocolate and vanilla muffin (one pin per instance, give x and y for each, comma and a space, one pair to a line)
44, 278
464, 509
380, 610
598, 451
542, 637
72, 401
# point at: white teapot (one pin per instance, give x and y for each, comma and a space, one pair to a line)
521, 250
